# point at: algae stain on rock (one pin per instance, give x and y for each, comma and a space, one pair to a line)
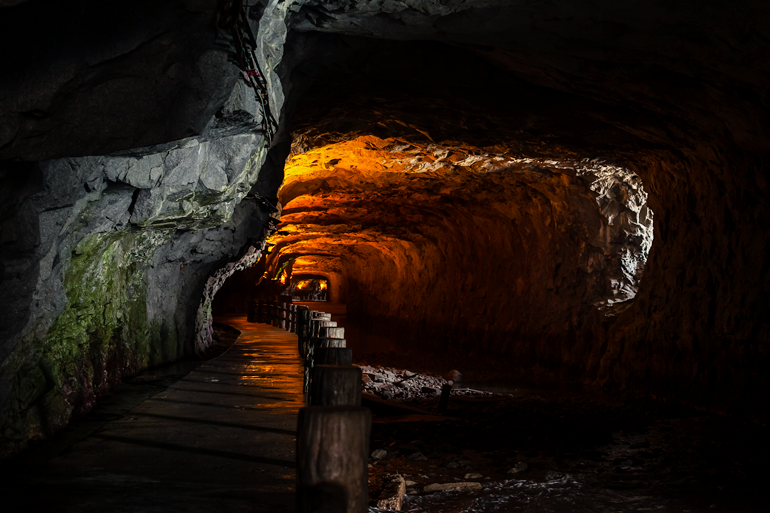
103, 334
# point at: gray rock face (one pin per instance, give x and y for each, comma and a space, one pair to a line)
122, 249
619, 54
91, 78
105, 259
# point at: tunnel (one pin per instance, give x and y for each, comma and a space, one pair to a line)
560, 207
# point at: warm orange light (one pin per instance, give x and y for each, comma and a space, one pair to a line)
323, 285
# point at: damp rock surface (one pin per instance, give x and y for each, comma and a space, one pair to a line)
107, 258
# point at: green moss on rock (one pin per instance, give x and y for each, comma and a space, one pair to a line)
103, 333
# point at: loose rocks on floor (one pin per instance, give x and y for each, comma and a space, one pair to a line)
410, 387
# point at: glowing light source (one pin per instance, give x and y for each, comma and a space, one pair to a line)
304, 283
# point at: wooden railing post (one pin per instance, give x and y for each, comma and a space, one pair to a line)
335, 385
333, 356
310, 348
276, 317
332, 458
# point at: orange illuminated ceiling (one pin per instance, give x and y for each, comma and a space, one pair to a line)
390, 207
446, 236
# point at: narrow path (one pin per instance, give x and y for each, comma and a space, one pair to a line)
220, 439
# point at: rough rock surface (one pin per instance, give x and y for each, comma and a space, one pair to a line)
113, 259
416, 228
109, 263
104, 267
392, 493
421, 390
676, 95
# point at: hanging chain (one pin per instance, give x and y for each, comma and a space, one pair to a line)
232, 17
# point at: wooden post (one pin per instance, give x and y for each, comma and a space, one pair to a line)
331, 332
293, 318
318, 324
284, 321
329, 342
335, 385
332, 458
333, 356
309, 349
303, 329
311, 327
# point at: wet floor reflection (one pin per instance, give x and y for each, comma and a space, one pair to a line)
270, 360
219, 436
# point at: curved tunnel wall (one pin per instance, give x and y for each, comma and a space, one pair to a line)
455, 251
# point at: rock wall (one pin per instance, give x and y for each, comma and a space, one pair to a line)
117, 250
675, 94
458, 250
109, 262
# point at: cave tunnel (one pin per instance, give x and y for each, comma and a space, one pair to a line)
454, 224
561, 207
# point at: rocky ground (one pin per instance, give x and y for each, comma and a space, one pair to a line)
529, 451
413, 388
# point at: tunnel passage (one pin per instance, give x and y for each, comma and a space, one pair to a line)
672, 340
456, 250
452, 217
693, 332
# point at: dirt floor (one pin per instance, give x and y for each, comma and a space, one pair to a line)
539, 452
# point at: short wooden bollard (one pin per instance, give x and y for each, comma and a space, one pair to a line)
335, 385
332, 458
333, 356
281, 315
318, 324
293, 318
329, 342
331, 332
309, 352
303, 327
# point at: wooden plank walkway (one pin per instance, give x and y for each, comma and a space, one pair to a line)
221, 439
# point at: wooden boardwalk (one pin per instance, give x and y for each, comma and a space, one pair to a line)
220, 439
